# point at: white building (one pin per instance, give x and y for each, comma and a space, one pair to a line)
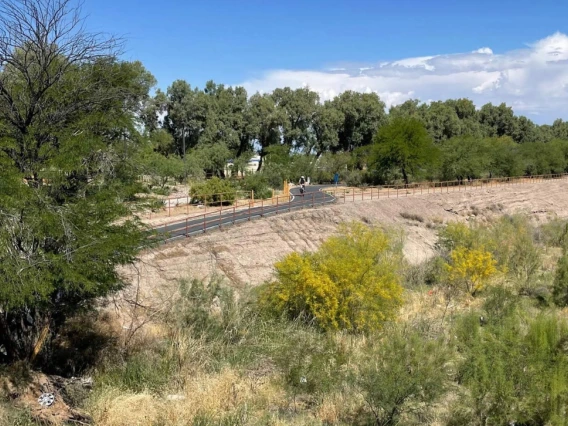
251, 167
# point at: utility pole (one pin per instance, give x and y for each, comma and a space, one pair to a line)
183, 139
184, 162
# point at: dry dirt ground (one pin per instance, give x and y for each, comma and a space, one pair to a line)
244, 255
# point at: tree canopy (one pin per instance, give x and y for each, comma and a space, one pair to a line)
68, 138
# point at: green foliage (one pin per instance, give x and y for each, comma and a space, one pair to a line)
463, 157
560, 287
349, 283
329, 164
218, 123
553, 233
542, 159
404, 145
509, 240
312, 363
66, 173
15, 416
257, 183
404, 374
193, 310
514, 369
162, 169
149, 370
214, 192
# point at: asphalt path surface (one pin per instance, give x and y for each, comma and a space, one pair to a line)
312, 197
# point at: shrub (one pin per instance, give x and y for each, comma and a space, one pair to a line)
515, 370
354, 177
470, 268
412, 216
257, 183
350, 283
214, 192
404, 373
560, 286
510, 241
311, 363
554, 232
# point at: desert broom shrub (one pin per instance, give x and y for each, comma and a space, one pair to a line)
403, 374
514, 369
350, 283
560, 286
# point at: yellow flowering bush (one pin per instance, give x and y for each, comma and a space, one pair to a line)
350, 283
470, 268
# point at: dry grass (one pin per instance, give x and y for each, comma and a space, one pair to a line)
216, 395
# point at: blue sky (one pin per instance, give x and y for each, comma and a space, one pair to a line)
245, 42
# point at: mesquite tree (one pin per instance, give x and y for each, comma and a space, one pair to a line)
68, 139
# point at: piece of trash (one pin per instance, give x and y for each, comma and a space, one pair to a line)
175, 397
46, 399
303, 380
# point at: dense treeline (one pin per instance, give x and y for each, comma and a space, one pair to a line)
212, 125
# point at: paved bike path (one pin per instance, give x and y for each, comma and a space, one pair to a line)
313, 196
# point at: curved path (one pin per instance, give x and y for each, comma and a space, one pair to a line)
313, 196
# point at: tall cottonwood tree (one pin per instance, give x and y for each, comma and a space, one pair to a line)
67, 142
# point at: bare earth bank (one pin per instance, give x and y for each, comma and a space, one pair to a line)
244, 254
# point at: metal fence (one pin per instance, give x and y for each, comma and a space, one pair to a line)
396, 191
230, 215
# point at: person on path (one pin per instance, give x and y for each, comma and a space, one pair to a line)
302, 185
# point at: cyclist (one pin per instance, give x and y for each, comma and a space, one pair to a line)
302, 185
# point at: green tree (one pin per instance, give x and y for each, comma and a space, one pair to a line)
463, 157
403, 144
363, 115
504, 157
497, 120
514, 368
299, 107
67, 139
442, 121
326, 125
265, 123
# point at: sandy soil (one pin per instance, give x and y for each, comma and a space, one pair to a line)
244, 254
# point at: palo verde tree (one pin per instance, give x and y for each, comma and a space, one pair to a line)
350, 283
67, 140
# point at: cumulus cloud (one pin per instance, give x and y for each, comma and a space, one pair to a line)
533, 80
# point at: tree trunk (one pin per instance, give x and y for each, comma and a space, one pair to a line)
404, 175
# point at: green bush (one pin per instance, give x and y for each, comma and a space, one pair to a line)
213, 192
403, 375
560, 286
354, 177
257, 183
311, 363
553, 233
514, 368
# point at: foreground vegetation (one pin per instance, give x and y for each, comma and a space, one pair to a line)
350, 334
480, 338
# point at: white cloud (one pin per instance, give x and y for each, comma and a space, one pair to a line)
533, 80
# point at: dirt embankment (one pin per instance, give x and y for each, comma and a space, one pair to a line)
244, 254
